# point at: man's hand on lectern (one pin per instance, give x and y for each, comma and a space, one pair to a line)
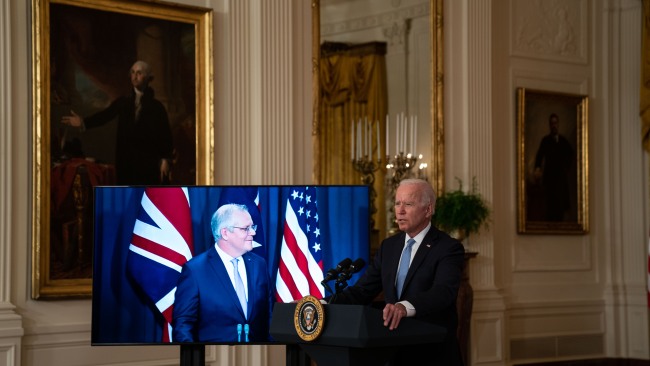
393, 313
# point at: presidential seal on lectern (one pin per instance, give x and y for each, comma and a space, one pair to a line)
309, 318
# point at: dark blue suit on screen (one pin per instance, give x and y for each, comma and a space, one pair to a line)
206, 307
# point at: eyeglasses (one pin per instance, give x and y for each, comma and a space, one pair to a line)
247, 229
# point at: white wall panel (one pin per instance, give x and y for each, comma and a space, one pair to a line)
487, 346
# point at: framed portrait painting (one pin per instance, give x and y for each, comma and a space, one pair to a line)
552, 162
122, 95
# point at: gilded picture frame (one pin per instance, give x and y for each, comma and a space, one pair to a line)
82, 53
553, 164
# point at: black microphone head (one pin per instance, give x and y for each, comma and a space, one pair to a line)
352, 269
332, 273
357, 265
344, 264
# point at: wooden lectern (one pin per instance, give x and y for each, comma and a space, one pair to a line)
353, 335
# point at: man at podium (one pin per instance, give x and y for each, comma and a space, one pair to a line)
419, 271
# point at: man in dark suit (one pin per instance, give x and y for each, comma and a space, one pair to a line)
432, 267
143, 147
553, 163
218, 301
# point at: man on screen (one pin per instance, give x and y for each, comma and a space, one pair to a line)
224, 295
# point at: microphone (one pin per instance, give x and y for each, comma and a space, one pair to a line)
352, 269
332, 273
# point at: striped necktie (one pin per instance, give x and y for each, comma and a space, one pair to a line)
404, 266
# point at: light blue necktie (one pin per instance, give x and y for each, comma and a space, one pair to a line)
239, 286
404, 266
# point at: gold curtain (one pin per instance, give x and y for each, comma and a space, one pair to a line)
645, 78
353, 88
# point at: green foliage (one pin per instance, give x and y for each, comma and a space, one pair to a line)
460, 211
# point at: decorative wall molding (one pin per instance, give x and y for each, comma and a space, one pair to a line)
9, 354
396, 33
11, 328
479, 127
275, 146
383, 20
551, 332
554, 30
492, 326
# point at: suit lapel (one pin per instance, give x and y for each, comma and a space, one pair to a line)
423, 250
420, 255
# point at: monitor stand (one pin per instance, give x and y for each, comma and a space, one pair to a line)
192, 355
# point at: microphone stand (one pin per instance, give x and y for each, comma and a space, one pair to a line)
327, 287
340, 285
343, 277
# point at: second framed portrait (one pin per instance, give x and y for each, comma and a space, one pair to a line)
552, 162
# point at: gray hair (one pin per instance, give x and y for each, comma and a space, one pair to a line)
145, 67
223, 218
427, 194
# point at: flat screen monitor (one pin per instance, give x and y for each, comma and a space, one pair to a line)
145, 236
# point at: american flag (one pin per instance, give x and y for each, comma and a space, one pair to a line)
162, 242
300, 270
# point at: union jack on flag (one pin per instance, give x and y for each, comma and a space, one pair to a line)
300, 270
162, 242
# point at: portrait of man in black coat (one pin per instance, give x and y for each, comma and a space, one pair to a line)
552, 166
144, 143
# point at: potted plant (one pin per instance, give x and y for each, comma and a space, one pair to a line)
461, 213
